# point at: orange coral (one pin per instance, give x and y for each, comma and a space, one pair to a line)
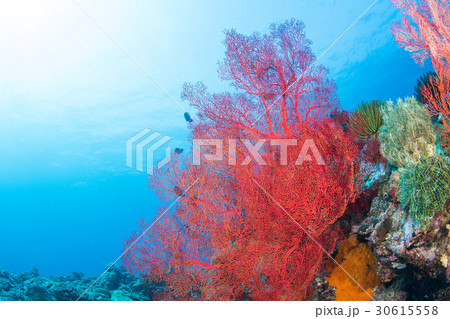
359, 262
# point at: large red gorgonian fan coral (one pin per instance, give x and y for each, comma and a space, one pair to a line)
279, 84
254, 229
228, 239
425, 28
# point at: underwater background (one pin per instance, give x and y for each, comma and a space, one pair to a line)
70, 99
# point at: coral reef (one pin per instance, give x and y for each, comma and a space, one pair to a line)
407, 251
115, 285
438, 102
367, 120
355, 260
425, 81
406, 134
223, 239
371, 150
322, 289
425, 187
424, 31
341, 118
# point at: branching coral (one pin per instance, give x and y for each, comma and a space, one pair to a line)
341, 118
359, 262
425, 187
425, 28
437, 97
431, 91
367, 120
227, 238
407, 133
425, 81
257, 232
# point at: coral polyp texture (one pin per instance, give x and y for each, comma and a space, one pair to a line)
425, 187
367, 120
356, 276
407, 133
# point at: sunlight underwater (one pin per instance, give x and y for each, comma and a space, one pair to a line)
370, 221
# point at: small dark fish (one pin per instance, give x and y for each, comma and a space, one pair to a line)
188, 117
269, 96
179, 191
178, 150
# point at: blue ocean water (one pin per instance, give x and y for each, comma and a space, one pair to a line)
67, 199
59, 228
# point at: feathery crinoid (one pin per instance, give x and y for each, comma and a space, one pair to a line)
367, 119
425, 187
407, 133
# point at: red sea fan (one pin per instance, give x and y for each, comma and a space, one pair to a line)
253, 230
437, 97
279, 84
247, 236
425, 28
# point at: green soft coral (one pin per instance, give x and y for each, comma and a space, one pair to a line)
425, 187
406, 134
